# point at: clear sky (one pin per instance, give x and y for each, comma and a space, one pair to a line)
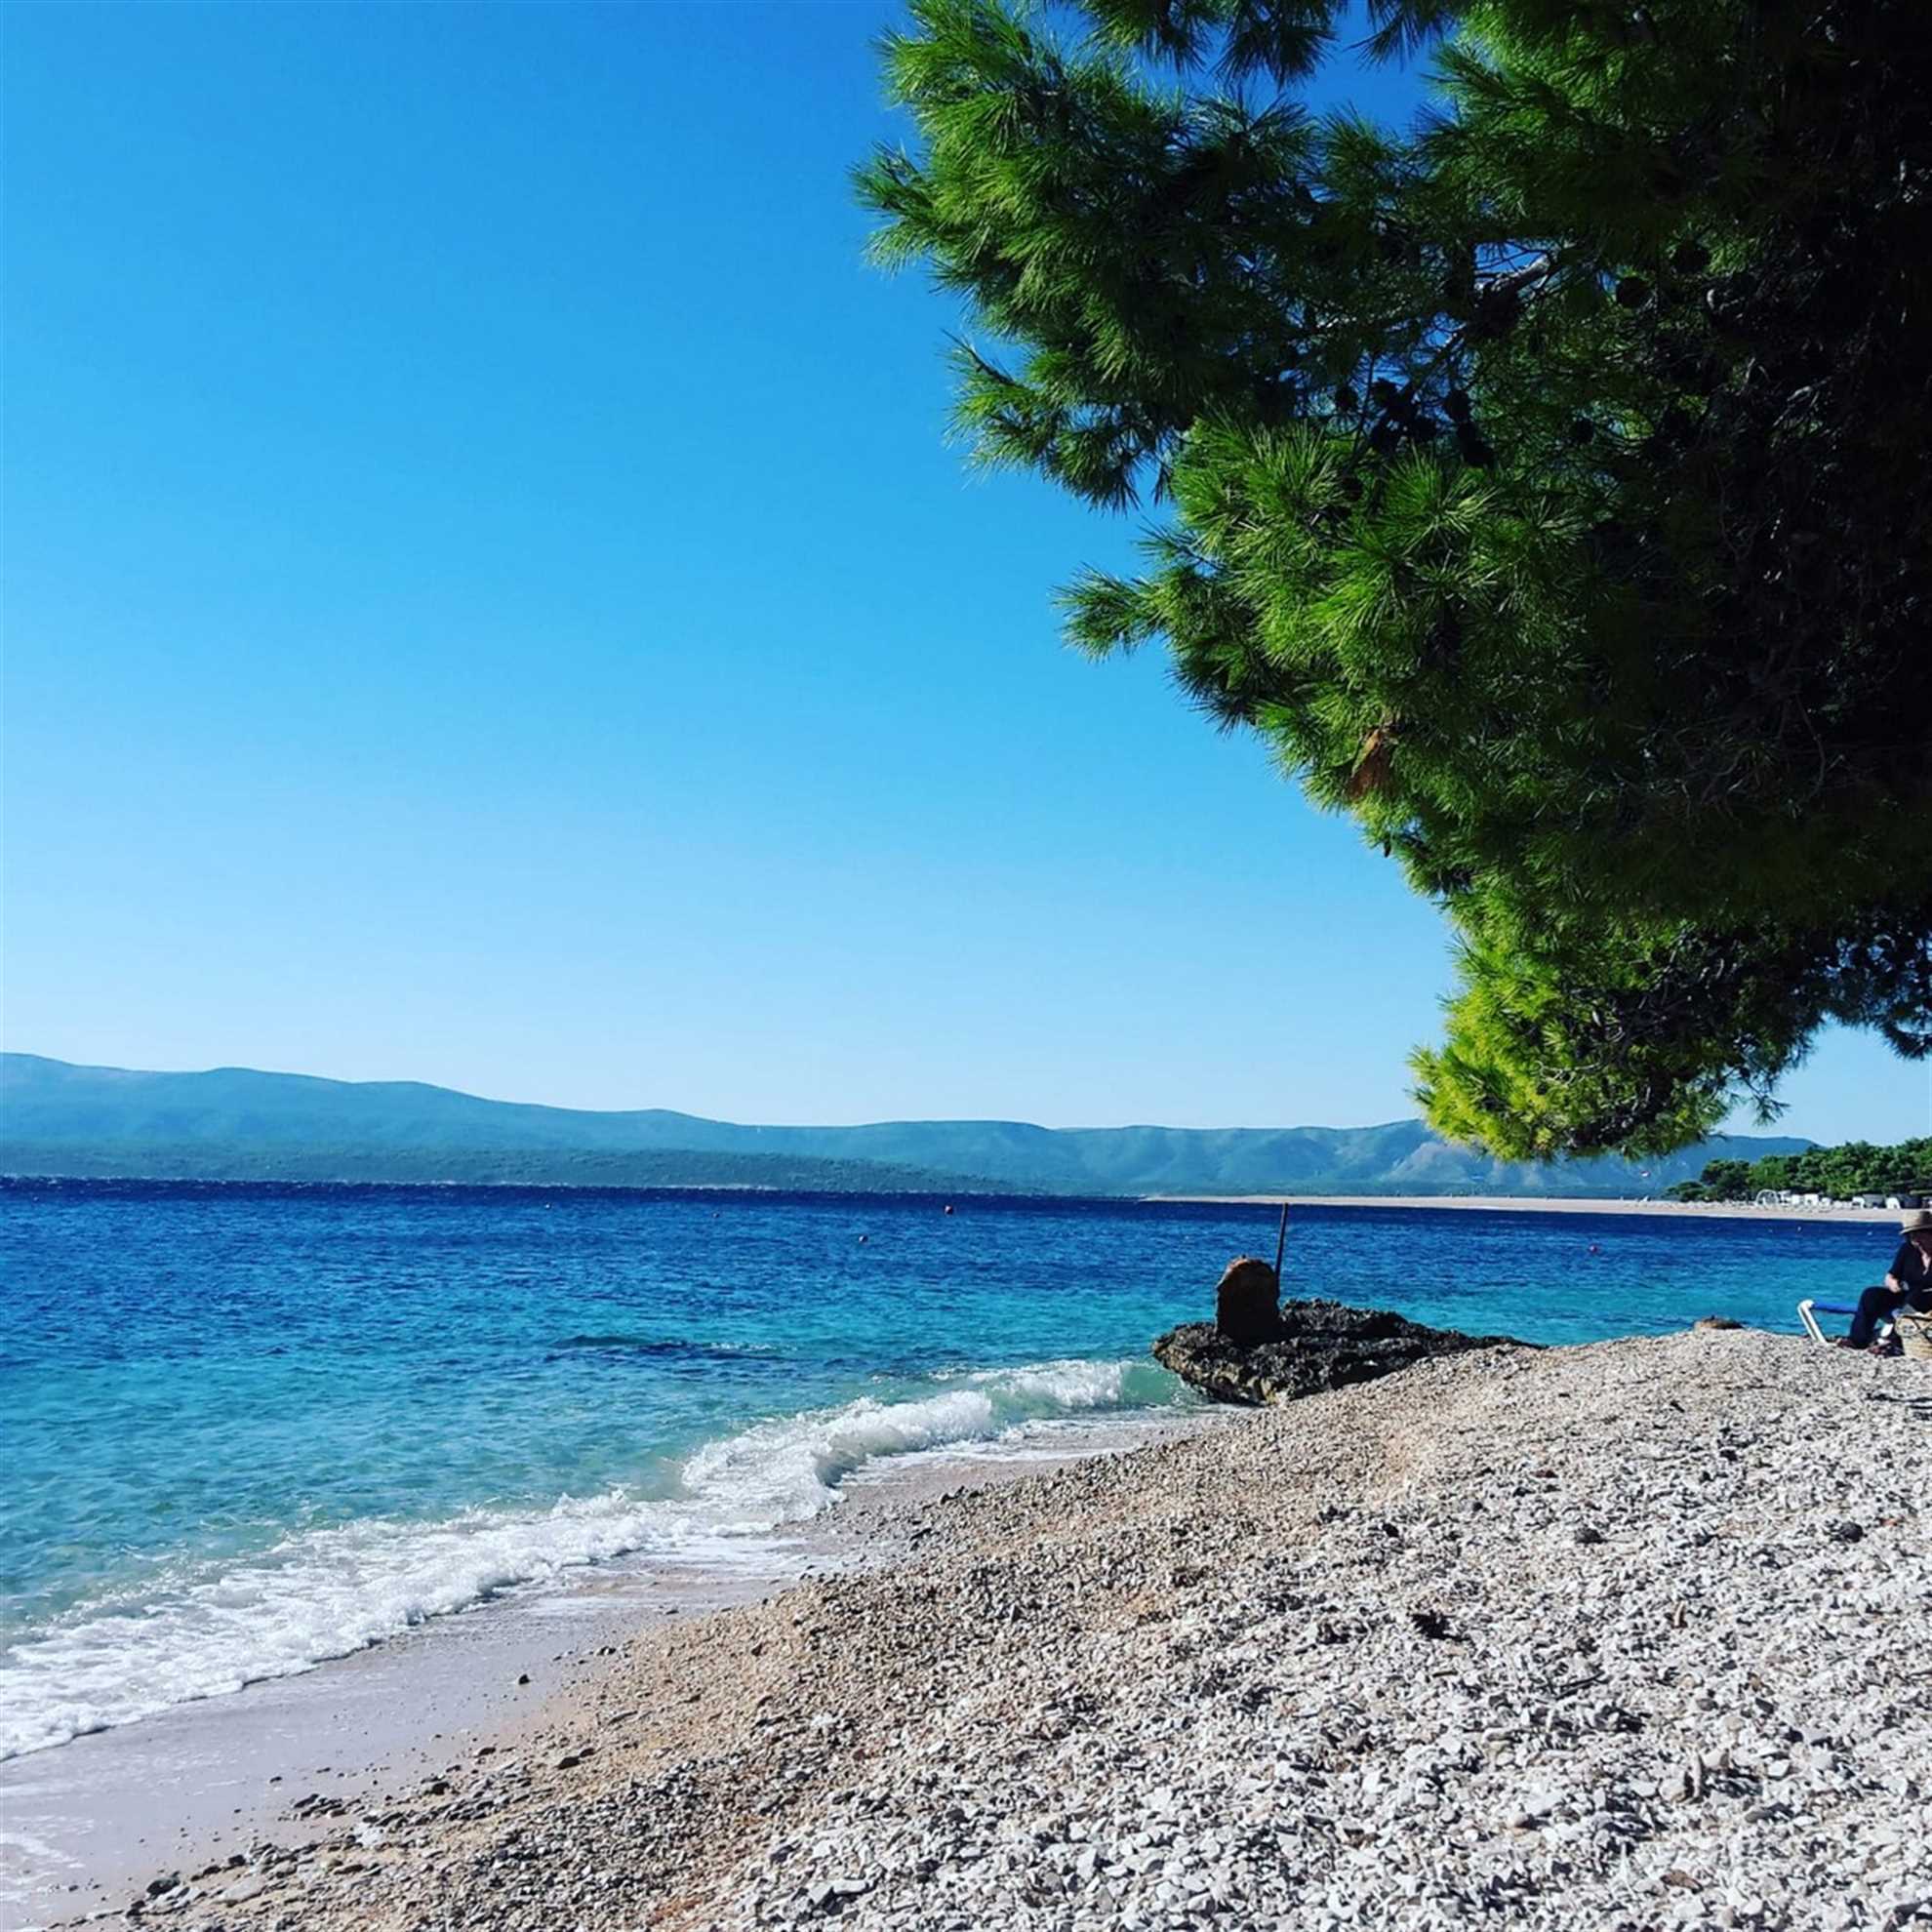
488, 602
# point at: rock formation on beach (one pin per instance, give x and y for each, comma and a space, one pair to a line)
1247, 1301
1308, 1345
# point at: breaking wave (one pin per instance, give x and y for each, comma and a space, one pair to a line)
325, 1593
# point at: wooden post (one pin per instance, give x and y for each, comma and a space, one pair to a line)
1281, 1243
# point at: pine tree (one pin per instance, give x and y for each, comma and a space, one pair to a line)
1541, 483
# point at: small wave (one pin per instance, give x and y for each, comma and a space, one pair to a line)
327, 1593
320, 1594
786, 1470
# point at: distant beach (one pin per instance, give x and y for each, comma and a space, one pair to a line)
1534, 1204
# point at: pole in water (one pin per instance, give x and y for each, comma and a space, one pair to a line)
1282, 1241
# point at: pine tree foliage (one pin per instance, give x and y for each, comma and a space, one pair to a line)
1544, 483
1903, 1172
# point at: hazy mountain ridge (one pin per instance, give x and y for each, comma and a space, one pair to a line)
234, 1123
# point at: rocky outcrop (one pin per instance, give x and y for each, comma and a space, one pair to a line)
1247, 1301
1312, 1346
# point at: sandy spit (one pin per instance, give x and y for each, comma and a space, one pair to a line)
1627, 1635
1524, 1204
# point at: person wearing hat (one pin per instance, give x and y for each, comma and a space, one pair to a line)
1907, 1280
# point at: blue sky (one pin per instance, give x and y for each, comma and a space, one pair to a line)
489, 601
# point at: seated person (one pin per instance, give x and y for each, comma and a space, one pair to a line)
1910, 1280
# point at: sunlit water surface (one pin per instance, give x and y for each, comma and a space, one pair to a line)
248, 1429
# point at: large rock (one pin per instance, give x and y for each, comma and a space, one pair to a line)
1247, 1301
1312, 1346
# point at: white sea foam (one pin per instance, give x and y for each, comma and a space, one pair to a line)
786, 1470
327, 1593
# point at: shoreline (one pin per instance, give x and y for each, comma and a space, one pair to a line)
1557, 1638
1535, 1204
85, 1824
980, 1194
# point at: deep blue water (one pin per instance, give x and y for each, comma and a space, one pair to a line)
246, 1427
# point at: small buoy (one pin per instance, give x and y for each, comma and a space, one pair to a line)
863, 1238
949, 1207
1594, 1249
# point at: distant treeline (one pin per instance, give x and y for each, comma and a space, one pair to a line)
1857, 1167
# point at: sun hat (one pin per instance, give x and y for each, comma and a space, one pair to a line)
1917, 1223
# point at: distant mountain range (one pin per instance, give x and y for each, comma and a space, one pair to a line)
233, 1124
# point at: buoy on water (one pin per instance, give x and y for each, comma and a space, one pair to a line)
949, 1207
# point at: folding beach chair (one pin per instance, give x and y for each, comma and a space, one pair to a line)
1809, 1309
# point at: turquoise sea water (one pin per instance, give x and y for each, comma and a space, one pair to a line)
249, 1428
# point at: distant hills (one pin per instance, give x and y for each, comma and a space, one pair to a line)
234, 1124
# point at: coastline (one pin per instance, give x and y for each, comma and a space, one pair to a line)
976, 1193
429, 1633
1532, 1204
1568, 1637
84, 1825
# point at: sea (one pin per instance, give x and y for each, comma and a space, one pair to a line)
249, 1428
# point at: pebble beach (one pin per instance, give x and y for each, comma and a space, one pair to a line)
1622, 1635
